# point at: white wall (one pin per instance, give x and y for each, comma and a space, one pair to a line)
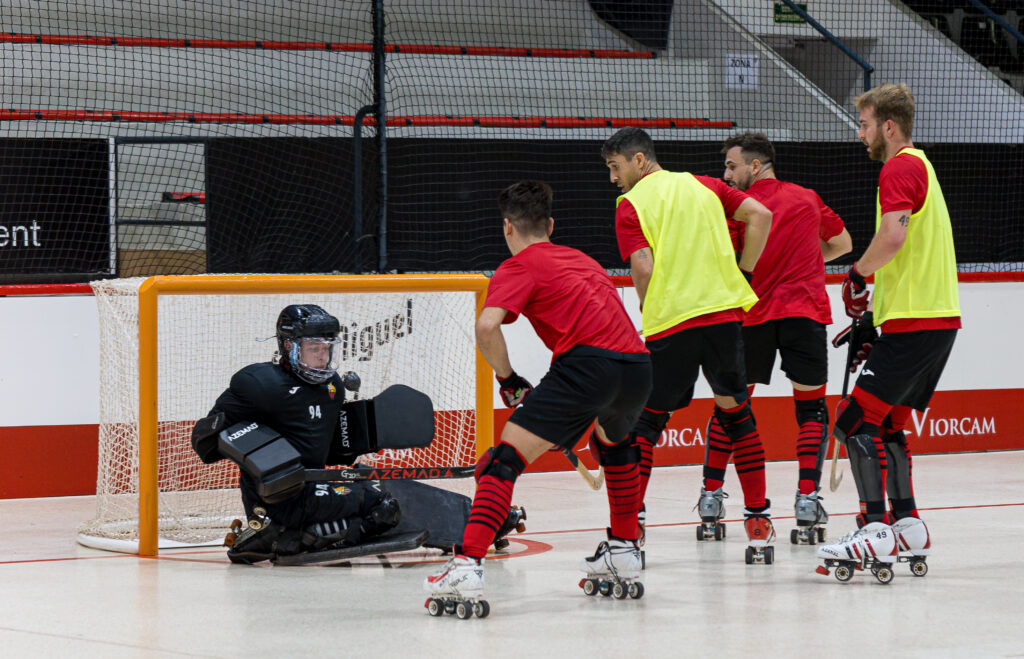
50, 373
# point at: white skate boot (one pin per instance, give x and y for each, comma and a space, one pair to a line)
872, 547
912, 537
759, 533
810, 520
614, 569
458, 589
711, 508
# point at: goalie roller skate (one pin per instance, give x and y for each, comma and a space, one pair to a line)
914, 544
613, 570
759, 533
458, 589
253, 542
810, 520
514, 522
872, 547
711, 508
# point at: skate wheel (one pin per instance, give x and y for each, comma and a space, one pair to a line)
794, 537
500, 544
719, 531
434, 607
700, 533
481, 609
449, 607
722, 525
636, 590
463, 611
255, 524
520, 527
749, 557
604, 588
619, 591
812, 536
918, 568
884, 574
769, 555
589, 586
843, 573
643, 559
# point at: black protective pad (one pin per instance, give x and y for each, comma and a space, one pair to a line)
400, 417
204, 437
264, 454
427, 508
384, 544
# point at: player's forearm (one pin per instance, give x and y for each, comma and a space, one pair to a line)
641, 267
892, 233
755, 238
491, 343
836, 246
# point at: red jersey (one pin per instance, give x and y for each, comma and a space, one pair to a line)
567, 297
631, 238
903, 184
789, 278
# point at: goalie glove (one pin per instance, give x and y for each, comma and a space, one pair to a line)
863, 334
514, 389
855, 293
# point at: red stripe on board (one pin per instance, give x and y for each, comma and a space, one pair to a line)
418, 49
348, 120
45, 289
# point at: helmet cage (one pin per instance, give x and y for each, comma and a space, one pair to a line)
309, 373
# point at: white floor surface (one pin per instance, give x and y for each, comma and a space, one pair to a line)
58, 599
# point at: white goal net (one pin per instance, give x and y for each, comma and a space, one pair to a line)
420, 338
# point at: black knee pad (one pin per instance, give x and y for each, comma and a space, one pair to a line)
624, 453
502, 462
737, 424
849, 417
867, 472
650, 424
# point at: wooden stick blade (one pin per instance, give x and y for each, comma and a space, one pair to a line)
834, 482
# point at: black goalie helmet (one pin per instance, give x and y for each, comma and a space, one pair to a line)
306, 337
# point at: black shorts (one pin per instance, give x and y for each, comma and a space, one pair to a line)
904, 367
801, 342
678, 358
582, 385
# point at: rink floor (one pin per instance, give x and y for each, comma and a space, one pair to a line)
60, 599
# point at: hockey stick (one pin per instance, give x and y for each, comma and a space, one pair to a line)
594, 483
834, 482
362, 473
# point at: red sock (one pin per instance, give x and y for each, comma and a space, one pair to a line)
808, 442
491, 506
716, 457
623, 485
748, 454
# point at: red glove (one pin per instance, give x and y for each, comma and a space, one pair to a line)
514, 389
855, 293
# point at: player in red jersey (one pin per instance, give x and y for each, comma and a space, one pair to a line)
672, 229
916, 307
791, 313
600, 370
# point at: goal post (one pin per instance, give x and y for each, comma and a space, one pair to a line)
428, 343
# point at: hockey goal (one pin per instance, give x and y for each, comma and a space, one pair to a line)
169, 346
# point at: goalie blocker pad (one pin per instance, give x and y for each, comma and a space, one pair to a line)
399, 417
264, 454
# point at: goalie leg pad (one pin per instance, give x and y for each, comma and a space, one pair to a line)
441, 513
502, 461
391, 542
867, 474
849, 417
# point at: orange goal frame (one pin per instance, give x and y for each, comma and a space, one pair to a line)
154, 287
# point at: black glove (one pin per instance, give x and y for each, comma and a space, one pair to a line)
514, 389
863, 334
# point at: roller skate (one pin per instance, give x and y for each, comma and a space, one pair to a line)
613, 570
255, 541
514, 521
760, 532
458, 588
912, 537
711, 508
810, 520
872, 547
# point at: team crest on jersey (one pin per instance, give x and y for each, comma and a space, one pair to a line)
341, 489
331, 389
